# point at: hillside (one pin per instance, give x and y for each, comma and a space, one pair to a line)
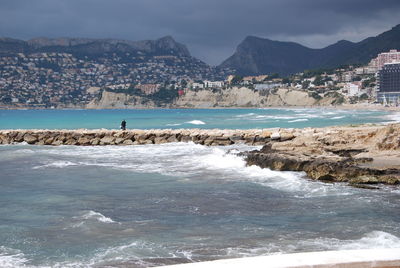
46, 73
262, 56
85, 46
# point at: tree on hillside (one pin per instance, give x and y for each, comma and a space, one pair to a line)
305, 84
236, 80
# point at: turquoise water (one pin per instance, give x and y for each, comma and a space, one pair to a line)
149, 205
140, 206
188, 118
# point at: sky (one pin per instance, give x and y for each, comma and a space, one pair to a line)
211, 29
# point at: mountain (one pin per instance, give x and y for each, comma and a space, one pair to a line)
261, 56
92, 47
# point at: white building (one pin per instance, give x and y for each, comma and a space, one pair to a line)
197, 85
353, 89
213, 84
267, 86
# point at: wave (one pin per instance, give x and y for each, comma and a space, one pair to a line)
191, 161
97, 216
196, 122
337, 117
372, 240
244, 115
172, 125
233, 167
10, 258
298, 120
57, 164
394, 117
133, 253
90, 216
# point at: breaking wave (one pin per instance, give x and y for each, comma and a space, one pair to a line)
57, 164
298, 120
372, 240
11, 258
97, 216
196, 122
191, 160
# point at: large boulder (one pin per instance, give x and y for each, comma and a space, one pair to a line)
30, 139
107, 140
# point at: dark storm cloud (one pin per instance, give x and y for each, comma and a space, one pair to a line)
210, 28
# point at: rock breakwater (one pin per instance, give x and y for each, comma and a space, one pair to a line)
138, 137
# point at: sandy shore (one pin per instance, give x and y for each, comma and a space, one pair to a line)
343, 259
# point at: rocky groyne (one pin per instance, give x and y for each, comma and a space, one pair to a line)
138, 137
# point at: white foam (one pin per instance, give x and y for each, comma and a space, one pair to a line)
244, 115
337, 117
298, 120
372, 240
191, 160
394, 117
57, 164
172, 125
91, 215
97, 215
11, 258
196, 122
132, 252
234, 168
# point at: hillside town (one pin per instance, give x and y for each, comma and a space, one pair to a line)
54, 80
61, 79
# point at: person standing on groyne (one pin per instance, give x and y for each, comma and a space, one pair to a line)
123, 125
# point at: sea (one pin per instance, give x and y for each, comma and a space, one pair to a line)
153, 205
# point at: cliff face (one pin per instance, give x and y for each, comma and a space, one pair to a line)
119, 101
231, 97
244, 97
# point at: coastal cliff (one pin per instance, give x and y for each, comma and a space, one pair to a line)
207, 98
120, 100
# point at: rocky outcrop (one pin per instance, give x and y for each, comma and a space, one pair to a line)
363, 155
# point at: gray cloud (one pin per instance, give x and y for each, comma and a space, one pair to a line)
210, 28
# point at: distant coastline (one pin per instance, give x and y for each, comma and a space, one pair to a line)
358, 106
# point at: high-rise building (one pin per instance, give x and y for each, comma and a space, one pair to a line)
389, 83
386, 57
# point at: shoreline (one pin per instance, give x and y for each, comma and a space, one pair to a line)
357, 106
323, 259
